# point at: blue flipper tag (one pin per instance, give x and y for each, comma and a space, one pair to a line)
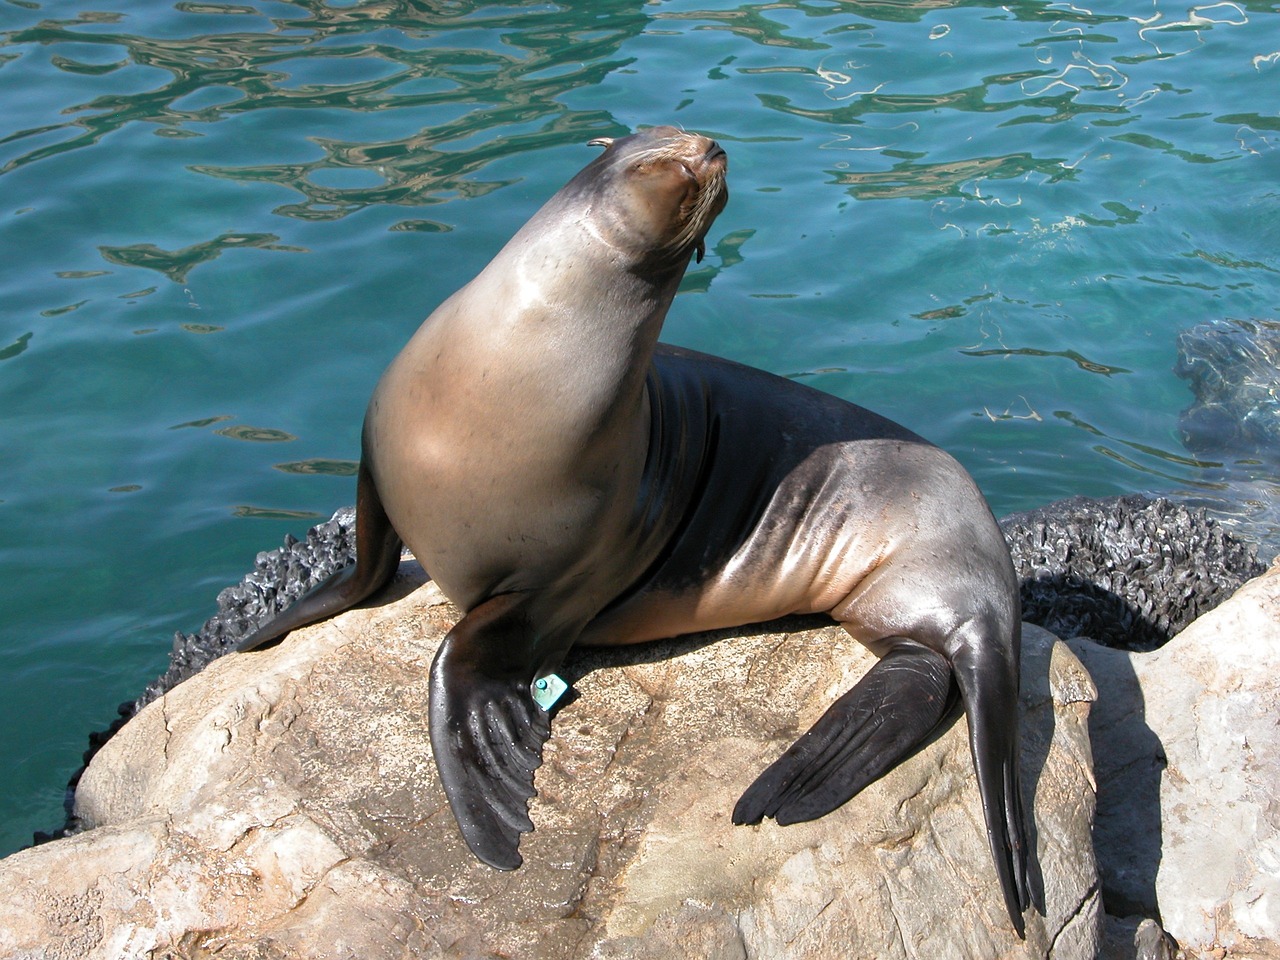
547, 690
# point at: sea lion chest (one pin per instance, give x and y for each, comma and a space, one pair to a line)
500, 459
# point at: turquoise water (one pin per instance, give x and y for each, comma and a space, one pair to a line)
219, 221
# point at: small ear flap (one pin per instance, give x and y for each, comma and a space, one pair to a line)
605, 142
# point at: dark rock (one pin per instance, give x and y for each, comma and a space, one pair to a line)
1233, 368
1129, 572
1233, 427
278, 578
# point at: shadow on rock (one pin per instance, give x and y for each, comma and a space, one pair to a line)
1118, 577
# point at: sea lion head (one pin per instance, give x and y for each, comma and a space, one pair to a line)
654, 194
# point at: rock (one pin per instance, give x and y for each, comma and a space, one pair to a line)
1187, 754
1233, 426
1233, 368
1151, 942
1135, 938
278, 578
284, 804
1127, 571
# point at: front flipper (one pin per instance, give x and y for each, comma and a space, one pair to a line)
377, 558
890, 712
486, 730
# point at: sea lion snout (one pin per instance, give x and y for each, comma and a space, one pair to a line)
695, 150
668, 143
712, 163
654, 192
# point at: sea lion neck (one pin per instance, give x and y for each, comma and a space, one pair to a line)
579, 294
547, 350
549, 338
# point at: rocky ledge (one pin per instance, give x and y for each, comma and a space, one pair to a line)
1186, 750
284, 804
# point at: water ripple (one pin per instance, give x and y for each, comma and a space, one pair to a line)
176, 264
989, 220
326, 61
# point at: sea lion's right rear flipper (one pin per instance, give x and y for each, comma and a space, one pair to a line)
988, 686
486, 730
377, 559
890, 712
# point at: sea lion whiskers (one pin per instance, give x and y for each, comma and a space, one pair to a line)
703, 164
702, 213
710, 186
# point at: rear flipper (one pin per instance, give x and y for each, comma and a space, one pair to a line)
989, 688
377, 558
891, 711
486, 730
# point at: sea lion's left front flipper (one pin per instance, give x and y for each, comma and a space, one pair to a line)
377, 559
486, 730
889, 712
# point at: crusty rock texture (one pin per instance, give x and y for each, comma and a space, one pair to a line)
1128, 571
278, 578
284, 804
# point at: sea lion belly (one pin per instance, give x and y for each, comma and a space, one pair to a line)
839, 508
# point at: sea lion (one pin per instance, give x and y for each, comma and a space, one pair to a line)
564, 479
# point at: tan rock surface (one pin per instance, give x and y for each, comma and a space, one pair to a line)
284, 804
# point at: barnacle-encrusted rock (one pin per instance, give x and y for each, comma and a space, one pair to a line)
1129, 571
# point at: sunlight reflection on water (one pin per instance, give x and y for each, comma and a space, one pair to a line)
989, 222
